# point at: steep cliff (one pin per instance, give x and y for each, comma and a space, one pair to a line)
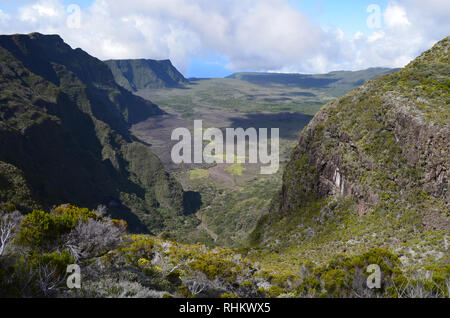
143, 74
372, 166
64, 135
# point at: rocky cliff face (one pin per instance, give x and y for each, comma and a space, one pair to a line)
64, 135
144, 74
383, 149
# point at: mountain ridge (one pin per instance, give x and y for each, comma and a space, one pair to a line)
136, 74
342, 81
64, 127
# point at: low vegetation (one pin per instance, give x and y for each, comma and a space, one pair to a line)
39, 247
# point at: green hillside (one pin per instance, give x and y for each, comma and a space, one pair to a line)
335, 83
64, 136
144, 74
371, 170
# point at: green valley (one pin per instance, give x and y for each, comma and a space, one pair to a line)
235, 196
86, 179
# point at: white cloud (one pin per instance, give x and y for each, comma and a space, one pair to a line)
4, 17
358, 35
395, 16
410, 27
46, 9
258, 35
376, 36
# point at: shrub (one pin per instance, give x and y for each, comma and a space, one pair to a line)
7, 207
346, 276
42, 230
226, 295
93, 238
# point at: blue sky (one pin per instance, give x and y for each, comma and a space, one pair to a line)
10, 5
209, 38
348, 15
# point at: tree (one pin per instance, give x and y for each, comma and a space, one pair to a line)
197, 283
92, 238
8, 225
48, 279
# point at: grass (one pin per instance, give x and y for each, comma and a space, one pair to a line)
199, 174
236, 170
230, 95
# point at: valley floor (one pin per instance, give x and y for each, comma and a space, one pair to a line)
234, 196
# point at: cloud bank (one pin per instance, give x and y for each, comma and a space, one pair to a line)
251, 35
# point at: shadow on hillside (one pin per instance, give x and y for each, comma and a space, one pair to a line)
192, 202
290, 124
289, 80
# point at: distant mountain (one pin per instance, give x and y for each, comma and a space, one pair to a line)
372, 168
144, 74
64, 135
336, 83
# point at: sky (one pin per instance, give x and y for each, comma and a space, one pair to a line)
214, 38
